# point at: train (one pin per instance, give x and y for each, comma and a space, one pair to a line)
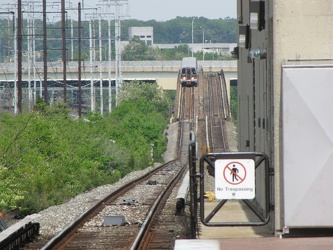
189, 72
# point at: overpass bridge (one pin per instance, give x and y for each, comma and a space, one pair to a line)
165, 73
95, 84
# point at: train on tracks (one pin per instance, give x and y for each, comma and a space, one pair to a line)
189, 72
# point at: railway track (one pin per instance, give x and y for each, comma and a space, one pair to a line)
125, 213
213, 111
216, 116
150, 222
163, 229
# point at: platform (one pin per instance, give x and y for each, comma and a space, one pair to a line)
247, 238
264, 243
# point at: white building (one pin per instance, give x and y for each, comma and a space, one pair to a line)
145, 34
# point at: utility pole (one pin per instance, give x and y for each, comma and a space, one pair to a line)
192, 35
29, 63
45, 52
79, 55
203, 43
118, 4
92, 89
34, 56
63, 35
79, 63
15, 71
19, 55
109, 68
108, 13
100, 64
117, 51
72, 40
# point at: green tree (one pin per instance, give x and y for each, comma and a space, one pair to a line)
151, 92
137, 50
178, 53
47, 157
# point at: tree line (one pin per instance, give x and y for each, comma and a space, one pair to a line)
178, 30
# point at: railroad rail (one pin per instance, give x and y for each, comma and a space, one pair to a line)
154, 234
167, 225
216, 116
213, 110
93, 230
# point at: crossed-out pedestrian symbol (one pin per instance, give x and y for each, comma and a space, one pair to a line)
234, 173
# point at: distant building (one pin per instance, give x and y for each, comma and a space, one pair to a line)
145, 34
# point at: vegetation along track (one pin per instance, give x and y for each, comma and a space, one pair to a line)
89, 231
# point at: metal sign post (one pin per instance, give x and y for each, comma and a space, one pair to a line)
193, 185
235, 174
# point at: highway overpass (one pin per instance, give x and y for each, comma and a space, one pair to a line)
165, 73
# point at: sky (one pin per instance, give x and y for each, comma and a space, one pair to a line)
158, 10
161, 10
165, 10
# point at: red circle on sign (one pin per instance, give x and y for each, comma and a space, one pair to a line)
233, 172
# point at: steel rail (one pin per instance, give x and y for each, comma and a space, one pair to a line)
51, 244
158, 205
